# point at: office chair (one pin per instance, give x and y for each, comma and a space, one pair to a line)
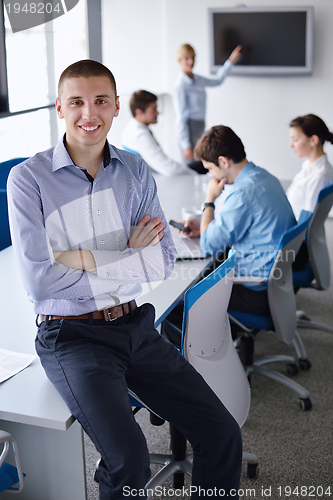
10, 475
207, 345
5, 168
317, 272
282, 318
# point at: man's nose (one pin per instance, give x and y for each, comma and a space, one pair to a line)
89, 112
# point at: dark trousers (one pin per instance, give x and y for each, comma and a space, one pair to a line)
92, 363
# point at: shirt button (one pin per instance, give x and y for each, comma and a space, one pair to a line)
98, 212
102, 242
106, 274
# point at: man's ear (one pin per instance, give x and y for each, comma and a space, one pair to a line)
138, 113
224, 162
58, 108
117, 107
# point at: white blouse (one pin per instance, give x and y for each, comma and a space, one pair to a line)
304, 190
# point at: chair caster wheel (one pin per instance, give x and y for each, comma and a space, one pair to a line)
305, 404
292, 369
301, 315
304, 364
252, 471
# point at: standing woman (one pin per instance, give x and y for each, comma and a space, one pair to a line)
189, 97
308, 134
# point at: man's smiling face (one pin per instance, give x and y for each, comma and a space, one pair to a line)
88, 106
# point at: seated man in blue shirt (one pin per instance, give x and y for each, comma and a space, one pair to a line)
87, 230
255, 214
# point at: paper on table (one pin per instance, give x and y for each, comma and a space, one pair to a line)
12, 363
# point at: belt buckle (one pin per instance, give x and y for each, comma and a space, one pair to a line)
107, 314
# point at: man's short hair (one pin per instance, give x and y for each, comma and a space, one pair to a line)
141, 100
86, 69
220, 141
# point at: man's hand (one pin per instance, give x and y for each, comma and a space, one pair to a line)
188, 153
214, 189
147, 234
193, 225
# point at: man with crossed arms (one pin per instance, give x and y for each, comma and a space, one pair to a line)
87, 231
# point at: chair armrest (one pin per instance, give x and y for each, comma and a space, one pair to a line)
249, 280
8, 439
5, 436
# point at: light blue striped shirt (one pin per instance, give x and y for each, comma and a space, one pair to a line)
53, 206
189, 100
254, 216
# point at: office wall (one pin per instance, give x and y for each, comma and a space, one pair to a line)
140, 39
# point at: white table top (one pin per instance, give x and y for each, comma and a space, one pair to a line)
29, 397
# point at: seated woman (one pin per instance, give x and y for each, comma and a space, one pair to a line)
308, 134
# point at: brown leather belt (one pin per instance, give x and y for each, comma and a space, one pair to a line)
108, 314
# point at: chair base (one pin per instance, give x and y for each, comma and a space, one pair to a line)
173, 466
303, 321
170, 468
303, 361
304, 402
246, 347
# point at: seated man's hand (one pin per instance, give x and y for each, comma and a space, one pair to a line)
214, 189
147, 233
193, 226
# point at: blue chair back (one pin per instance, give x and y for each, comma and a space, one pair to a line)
131, 151
280, 289
316, 240
5, 168
207, 342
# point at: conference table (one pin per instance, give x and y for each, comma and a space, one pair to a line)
50, 440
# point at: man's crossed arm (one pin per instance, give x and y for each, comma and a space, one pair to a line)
147, 233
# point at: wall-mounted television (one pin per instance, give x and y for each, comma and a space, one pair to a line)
275, 40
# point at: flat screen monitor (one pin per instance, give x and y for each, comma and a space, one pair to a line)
275, 41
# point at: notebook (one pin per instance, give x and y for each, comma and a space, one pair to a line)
188, 248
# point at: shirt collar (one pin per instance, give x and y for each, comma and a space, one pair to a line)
61, 157
188, 79
244, 171
315, 164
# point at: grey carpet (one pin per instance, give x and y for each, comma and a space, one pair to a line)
295, 448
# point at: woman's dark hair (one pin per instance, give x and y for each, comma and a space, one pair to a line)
220, 141
313, 125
